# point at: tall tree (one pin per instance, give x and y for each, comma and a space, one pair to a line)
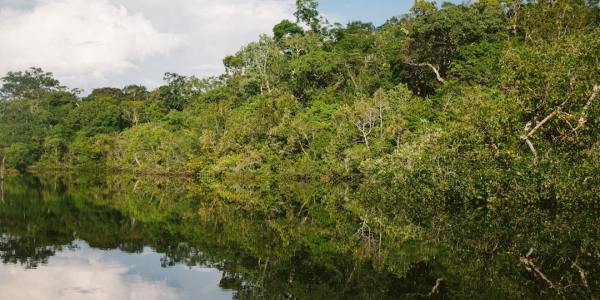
286, 28
30, 84
307, 13
423, 7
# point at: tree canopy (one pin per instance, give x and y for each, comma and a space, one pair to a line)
485, 112
29, 84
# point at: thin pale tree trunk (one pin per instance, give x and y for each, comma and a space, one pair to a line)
2, 169
2, 191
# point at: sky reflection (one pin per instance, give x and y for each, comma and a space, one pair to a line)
87, 273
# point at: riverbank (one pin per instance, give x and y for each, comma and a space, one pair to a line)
99, 169
9, 172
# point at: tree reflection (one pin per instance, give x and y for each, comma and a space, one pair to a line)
294, 248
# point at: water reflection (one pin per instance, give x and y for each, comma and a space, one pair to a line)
189, 229
120, 237
82, 272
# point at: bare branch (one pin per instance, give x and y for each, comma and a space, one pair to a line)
582, 276
528, 262
583, 118
540, 124
531, 147
137, 161
433, 68
546, 119
530, 133
436, 288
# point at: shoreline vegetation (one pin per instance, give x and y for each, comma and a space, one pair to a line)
469, 131
102, 170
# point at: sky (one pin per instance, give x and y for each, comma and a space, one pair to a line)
95, 43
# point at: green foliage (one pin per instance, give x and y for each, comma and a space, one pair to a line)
312, 72
135, 92
55, 150
107, 94
437, 36
178, 91
95, 117
286, 28
306, 12
30, 84
19, 156
154, 148
556, 77
477, 63
483, 116
90, 151
547, 19
423, 7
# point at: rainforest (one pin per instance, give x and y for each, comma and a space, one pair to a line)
451, 153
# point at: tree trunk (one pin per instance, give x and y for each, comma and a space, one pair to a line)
2, 178
366, 138
2, 169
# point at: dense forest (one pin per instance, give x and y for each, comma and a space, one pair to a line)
477, 124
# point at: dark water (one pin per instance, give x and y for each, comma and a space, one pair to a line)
82, 236
56, 244
120, 237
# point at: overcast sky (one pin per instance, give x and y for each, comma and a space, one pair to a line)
95, 43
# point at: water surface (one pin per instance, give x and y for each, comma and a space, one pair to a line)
83, 236
82, 272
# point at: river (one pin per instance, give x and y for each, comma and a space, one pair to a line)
83, 236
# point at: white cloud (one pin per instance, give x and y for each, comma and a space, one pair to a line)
91, 43
212, 28
223, 27
81, 41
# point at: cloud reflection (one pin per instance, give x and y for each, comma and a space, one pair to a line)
74, 275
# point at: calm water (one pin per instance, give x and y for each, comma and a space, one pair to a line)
45, 237
92, 237
123, 237
83, 272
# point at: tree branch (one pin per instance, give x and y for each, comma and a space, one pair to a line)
583, 118
530, 133
528, 262
433, 68
582, 276
546, 119
531, 147
436, 288
540, 124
